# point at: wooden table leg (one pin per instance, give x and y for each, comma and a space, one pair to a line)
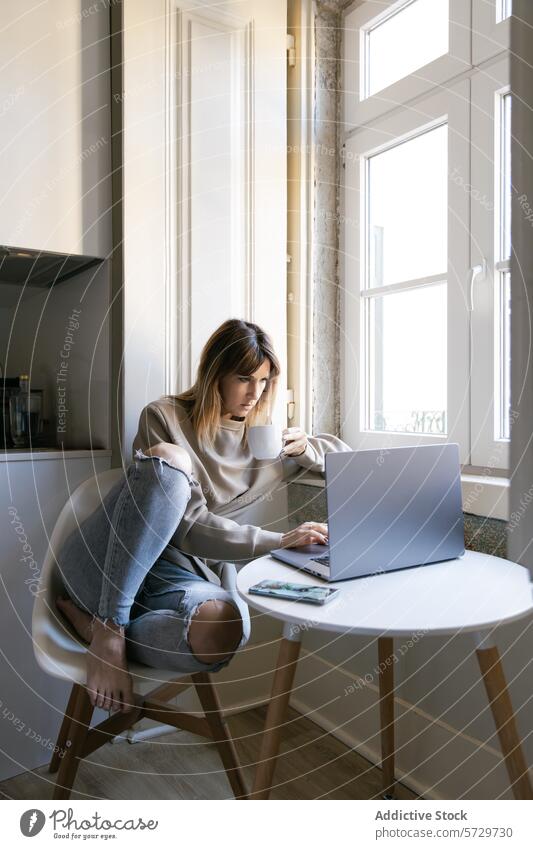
386, 712
502, 711
277, 709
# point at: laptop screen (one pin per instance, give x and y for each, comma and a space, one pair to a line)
393, 508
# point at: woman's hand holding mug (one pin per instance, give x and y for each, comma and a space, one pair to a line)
264, 441
294, 441
310, 533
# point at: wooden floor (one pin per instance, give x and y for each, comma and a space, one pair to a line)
312, 765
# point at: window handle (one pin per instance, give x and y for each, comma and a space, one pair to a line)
475, 272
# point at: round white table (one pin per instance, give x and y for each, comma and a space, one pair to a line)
474, 594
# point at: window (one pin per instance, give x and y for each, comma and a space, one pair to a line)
383, 63
503, 168
426, 245
502, 329
491, 251
406, 341
410, 244
503, 363
406, 247
404, 322
387, 61
490, 28
504, 10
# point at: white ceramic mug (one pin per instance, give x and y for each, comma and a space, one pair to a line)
265, 441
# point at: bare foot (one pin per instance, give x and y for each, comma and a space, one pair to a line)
109, 684
79, 619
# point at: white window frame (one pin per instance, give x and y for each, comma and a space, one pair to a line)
437, 72
449, 105
487, 89
489, 36
485, 486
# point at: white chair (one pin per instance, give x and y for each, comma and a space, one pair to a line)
60, 653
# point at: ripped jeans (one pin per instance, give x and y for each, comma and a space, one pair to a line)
113, 569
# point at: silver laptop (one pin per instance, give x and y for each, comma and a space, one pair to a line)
387, 509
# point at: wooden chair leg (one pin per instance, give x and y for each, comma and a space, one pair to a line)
226, 747
77, 733
277, 710
386, 712
63, 731
502, 711
169, 690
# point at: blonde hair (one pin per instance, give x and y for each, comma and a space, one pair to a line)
236, 347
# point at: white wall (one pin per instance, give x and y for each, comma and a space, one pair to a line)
54, 145
145, 275
154, 341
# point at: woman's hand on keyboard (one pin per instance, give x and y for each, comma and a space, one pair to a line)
307, 534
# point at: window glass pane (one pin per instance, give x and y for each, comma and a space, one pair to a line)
407, 39
504, 9
505, 177
503, 365
407, 201
406, 361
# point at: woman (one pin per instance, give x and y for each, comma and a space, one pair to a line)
137, 587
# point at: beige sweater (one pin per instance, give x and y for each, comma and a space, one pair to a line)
226, 480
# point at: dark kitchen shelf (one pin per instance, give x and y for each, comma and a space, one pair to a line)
41, 269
